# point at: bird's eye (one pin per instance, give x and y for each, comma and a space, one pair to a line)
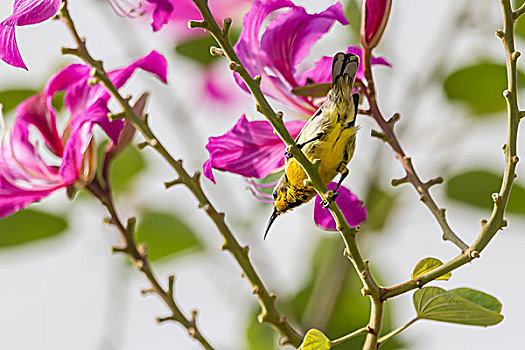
275, 194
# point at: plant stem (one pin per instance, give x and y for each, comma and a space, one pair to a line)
347, 232
354, 334
496, 220
389, 136
387, 337
139, 256
269, 313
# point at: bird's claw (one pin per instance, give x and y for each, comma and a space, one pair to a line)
288, 155
330, 197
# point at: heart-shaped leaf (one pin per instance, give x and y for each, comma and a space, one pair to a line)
462, 305
426, 265
315, 340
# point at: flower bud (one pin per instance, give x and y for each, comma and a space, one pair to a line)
374, 16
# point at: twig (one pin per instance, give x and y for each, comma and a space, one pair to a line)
140, 257
395, 332
496, 221
389, 136
269, 313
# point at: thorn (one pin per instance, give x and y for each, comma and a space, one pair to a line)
380, 135
197, 24
142, 145
514, 159
442, 212
93, 81
165, 319
284, 340
257, 80
216, 51
496, 198
119, 249
507, 94
258, 107
419, 284
500, 34
316, 163
397, 182
515, 55
365, 291
279, 115
272, 296
246, 249
234, 66
226, 27
346, 253
130, 225
436, 181
191, 331
196, 177
142, 249
255, 290
173, 183
139, 264
394, 119
147, 291
93, 72
483, 223
504, 147
171, 280
193, 317
364, 274
474, 254
153, 142
107, 220
504, 223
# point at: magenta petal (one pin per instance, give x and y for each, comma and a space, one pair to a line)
9, 52
249, 149
351, 206
290, 36
376, 10
13, 199
25, 12
161, 13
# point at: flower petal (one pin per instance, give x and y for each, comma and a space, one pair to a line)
351, 206
290, 36
161, 13
249, 149
13, 198
25, 12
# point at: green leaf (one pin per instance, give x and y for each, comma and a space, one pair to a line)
165, 234
29, 225
462, 306
312, 90
10, 99
353, 14
480, 87
380, 205
198, 49
475, 187
427, 265
126, 167
315, 340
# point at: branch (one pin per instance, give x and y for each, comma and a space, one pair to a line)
388, 336
496, 221
140, 257
269, 313
221, 36
388, 135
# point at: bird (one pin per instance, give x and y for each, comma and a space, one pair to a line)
328, 136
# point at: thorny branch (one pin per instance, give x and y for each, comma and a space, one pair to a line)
269, 313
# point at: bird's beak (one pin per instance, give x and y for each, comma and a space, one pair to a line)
270, 222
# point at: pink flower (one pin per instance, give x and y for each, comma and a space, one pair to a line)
250, 149
25, 12
176, 13
29, 172
374, 16
351, 206
285, 43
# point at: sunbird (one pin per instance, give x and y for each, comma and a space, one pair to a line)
329, 136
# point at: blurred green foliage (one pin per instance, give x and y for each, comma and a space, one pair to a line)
198, 49
10, 99
166, 234
29, 225
480, 87
461, 305
125, 168
475, 187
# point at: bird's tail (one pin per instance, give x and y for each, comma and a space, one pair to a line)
344, 69
345, 66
